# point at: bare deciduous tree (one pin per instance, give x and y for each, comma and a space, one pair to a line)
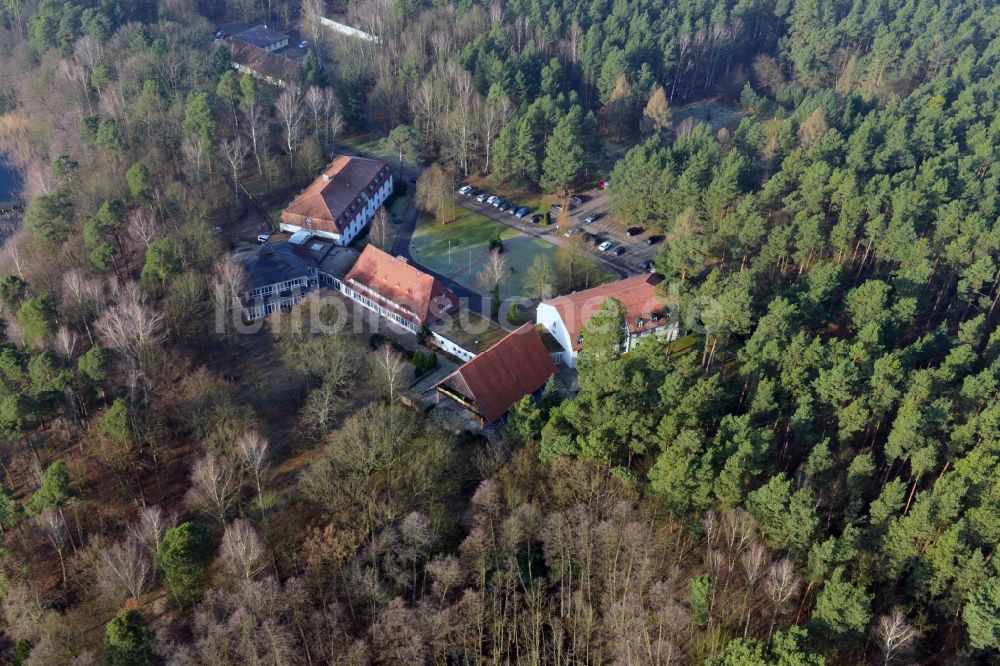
215, 486
54, 526
194, 152
143, 226
234, 153
125, 569
257, 125
753, 561
133, 328
494, 114
894, 635
65, 342
152, 523
289, 109
312, 15
248, 9
253, 451
379, 232
390, 371
493, 272
780, 585
242, 552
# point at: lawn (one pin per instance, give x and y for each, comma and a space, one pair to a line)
470, 236
369, 144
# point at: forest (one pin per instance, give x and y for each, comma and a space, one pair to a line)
817, 481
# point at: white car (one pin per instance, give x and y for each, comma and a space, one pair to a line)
465, 189
492, 199
482, 197
605, 246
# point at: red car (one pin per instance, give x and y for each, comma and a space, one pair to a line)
602, 184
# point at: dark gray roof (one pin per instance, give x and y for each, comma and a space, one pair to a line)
273, 263
260, 36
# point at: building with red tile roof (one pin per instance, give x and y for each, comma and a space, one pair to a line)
341, 201
397, 290
645, 313
490, 383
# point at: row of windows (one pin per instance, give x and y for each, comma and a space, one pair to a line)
372, 203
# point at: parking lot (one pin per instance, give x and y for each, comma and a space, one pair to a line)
636, 252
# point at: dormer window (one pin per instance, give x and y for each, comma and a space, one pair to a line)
654, 317
309, 221
579, 339
639, 322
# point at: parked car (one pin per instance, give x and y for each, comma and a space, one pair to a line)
220, 34
593, 217
605, 246
555, 208
535, 219
602, 184
618, 251
465, 189
263, 238
498, 202
653, 240
634, 231
587, 236
649, 267
505, 207
577, 199
521, 212
482, 197
570, 232
303, 45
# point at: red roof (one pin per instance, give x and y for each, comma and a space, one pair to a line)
494, 380
333, 200
644, 311
396, 285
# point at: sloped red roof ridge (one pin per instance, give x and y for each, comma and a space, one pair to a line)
327, 200
397, 285
644, 310
514, 367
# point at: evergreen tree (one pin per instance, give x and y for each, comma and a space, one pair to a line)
128, 640
603, 335
183, 555
565, 159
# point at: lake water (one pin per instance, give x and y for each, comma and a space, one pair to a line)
10, 182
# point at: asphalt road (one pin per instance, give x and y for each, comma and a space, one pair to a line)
637, 253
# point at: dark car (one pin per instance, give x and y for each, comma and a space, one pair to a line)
555, 208
535, 219
649, 267
653, 240
593, 217
577, 199
634, 231
618, 251
587, 236
505, 206
221, 34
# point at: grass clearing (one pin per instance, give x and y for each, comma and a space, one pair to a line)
469, 237
369, 144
